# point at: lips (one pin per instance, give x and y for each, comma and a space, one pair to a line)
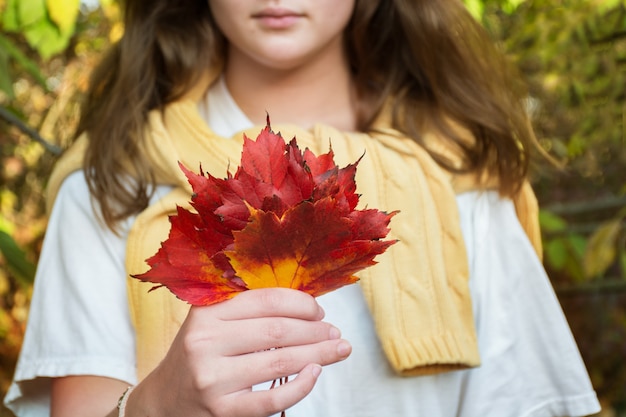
277, 18
276, 12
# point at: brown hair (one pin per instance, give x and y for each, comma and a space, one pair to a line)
165, 49
431, 56
440, 65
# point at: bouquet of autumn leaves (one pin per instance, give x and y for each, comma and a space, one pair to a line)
286, 218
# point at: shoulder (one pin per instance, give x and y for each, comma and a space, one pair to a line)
73, 197
70, 162
74, 208
74, 187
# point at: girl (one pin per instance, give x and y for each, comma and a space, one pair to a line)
457, 319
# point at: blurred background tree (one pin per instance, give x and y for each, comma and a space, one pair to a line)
47, 48
572, 54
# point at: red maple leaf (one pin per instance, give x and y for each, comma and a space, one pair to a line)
286, 218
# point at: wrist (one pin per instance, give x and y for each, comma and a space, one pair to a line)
121, 404
142, 400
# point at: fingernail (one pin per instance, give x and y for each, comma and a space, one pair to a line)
344, 349
334, 333
316, 370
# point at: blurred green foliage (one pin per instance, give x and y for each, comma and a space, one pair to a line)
46, 50
572, 53
47, 25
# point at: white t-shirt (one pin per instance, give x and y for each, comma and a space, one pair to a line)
79, 320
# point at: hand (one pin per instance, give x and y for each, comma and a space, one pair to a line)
221, 351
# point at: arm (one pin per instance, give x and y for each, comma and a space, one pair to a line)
220, 352
74, 396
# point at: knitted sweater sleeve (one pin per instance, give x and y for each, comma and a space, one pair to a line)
418, 293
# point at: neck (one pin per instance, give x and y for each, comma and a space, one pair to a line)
318, 92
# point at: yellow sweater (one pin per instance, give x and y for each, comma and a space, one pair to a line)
418, 292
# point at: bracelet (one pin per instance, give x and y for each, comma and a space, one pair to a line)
121, 404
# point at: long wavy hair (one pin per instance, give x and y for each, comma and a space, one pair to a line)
430, 56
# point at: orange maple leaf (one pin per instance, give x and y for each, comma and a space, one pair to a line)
286, 218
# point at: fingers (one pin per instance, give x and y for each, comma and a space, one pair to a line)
268, 302
258, 320
263, 403
223, 350
259, 367
266, 333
